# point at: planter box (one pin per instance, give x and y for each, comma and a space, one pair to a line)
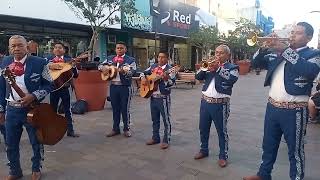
90, 87
244, 67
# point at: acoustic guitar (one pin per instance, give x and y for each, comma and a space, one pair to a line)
151, 82
50, 127
112, 71
62, 73
110, 74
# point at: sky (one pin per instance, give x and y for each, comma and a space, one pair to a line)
288, 11
291, 11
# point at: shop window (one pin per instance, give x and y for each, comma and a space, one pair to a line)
112, 39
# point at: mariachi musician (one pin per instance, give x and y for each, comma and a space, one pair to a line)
160, 100
120, 89
33, 78
219, 77
62, 93
292, 66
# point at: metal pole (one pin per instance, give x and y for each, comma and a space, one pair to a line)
155, 36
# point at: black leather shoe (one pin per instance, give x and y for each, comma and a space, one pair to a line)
73, 134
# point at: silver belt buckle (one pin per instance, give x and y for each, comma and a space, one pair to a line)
116, 82
15, 104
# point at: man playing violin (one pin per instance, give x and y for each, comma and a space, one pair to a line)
291, 71
120, 88
62, 93
33, 78
219, 79
160, 100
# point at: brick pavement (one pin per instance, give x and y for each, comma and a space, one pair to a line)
93, 156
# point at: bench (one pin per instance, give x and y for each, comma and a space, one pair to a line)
188, 78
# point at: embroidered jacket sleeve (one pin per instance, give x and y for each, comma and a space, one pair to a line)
259, 60
230, 76
201, 75
133, 69
45, 84
171, 80
304, 67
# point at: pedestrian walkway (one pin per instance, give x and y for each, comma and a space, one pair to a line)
95, 157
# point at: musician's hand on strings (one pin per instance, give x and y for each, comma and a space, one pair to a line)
29, 98
104, 68
126, 69
2, 119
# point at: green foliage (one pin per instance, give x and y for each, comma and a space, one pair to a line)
237, 39
205, 37
98, 12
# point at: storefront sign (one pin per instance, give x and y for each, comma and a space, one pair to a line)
174, 18
141, 20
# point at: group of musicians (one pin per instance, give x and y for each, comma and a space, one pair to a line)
291, 69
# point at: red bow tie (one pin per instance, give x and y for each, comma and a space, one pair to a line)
158, 70
57, 60
118, 59
17, 68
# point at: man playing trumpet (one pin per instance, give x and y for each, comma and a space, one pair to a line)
219, 77
120, 89
291, 71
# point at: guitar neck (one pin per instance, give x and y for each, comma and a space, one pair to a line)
18, 90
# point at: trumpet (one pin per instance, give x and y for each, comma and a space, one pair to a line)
206, 64
254, 39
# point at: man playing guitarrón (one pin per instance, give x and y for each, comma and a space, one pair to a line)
33, 78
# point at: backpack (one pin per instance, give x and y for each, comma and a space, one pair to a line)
79, 107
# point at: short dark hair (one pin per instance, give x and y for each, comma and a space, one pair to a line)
164, 52
121, 42
64, 47
308, 29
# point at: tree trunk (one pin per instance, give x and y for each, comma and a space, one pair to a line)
91, 47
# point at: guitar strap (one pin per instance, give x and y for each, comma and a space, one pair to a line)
9, 87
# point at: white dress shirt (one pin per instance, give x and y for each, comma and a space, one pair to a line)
212, 92
158, 90
277, 89
20, 82
117, 79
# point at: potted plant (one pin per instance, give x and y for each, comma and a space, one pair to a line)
244, 66
89, 85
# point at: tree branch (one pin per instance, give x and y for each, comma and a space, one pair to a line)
111, 13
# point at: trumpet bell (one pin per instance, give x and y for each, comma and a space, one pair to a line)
252, 39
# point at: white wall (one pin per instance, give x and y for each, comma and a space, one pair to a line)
55, 10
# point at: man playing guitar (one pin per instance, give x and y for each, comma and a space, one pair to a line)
160, 100
62, 93
120, 88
